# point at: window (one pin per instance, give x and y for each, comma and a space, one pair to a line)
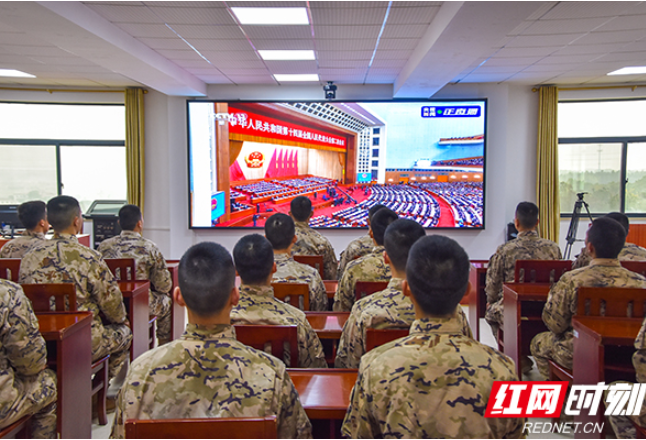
375, 152
375, 163
602, 152
375, 130
375, 174
52, 149
375, 141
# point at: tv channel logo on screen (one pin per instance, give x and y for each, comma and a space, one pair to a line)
454, 111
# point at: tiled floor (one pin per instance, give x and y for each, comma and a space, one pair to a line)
486, 337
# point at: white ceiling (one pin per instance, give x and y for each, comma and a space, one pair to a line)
179, 48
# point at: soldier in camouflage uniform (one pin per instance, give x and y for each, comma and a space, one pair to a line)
26, 386
149, 262
279, 230
207, 373
434, 383
502, 265
630, 251
604, 240
63, 260
370, 267
254, 260
359, 246
309, 241
33, 216
388, 308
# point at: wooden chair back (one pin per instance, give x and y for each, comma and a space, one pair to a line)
123, 269
633, 266
376, 337
274, 336
618, 302
40, 295
315, 261
234, 427
541, 271
295, 294
10, 269
365, 288
18, 429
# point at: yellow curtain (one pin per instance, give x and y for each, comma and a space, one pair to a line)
547, 173
135, 145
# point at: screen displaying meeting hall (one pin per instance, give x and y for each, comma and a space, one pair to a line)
595, 130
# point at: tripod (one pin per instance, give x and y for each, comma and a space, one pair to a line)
574, 224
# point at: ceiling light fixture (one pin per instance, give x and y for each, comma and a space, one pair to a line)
288, 55
271, 16
15, 73
289, 77
633, 70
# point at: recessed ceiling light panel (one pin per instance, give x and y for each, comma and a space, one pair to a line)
290, 77
271, 16
633, 70
15, 73
271, 55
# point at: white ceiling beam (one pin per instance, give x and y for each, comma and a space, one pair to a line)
460, 33
79, 30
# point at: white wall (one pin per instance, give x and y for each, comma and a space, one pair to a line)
510, 177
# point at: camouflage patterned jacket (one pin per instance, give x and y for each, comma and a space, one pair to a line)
258, 306
528, 246
639, 362
386, 309
19, 246
357, 248
22, 348
310, 242
288, 270
64, 260
630, 251
562, 301
208, 374
149, 261
370, 267
434, 383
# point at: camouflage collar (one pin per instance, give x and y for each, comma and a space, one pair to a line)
450, 326
58, 236
248, 289
378, 249
532, 233
33, 234
216, 331
609, 262
130, 233
395, 283
303, 225
280, 258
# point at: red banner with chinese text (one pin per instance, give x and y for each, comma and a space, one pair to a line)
244, 122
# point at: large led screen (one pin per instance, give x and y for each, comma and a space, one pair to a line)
423, 159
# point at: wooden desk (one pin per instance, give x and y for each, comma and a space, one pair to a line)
592, 334
477, 298
177, 312
523, 305
69, 345
330, 290
135, 297
327, 325
324, 393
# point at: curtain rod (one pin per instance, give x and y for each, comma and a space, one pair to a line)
31, 89
627, 86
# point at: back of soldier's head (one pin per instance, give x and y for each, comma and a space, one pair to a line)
61, 212
206, 278
380, 222
301, 208
399, 238
527, 214
129, 215
607, 237
621, 218
372, 211
437, 274
280, 231
31, 213
254, 259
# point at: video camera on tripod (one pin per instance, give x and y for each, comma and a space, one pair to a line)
570, 238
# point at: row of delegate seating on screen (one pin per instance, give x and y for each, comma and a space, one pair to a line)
408, 201
474, 161
474, 188
236, 207
323, 221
